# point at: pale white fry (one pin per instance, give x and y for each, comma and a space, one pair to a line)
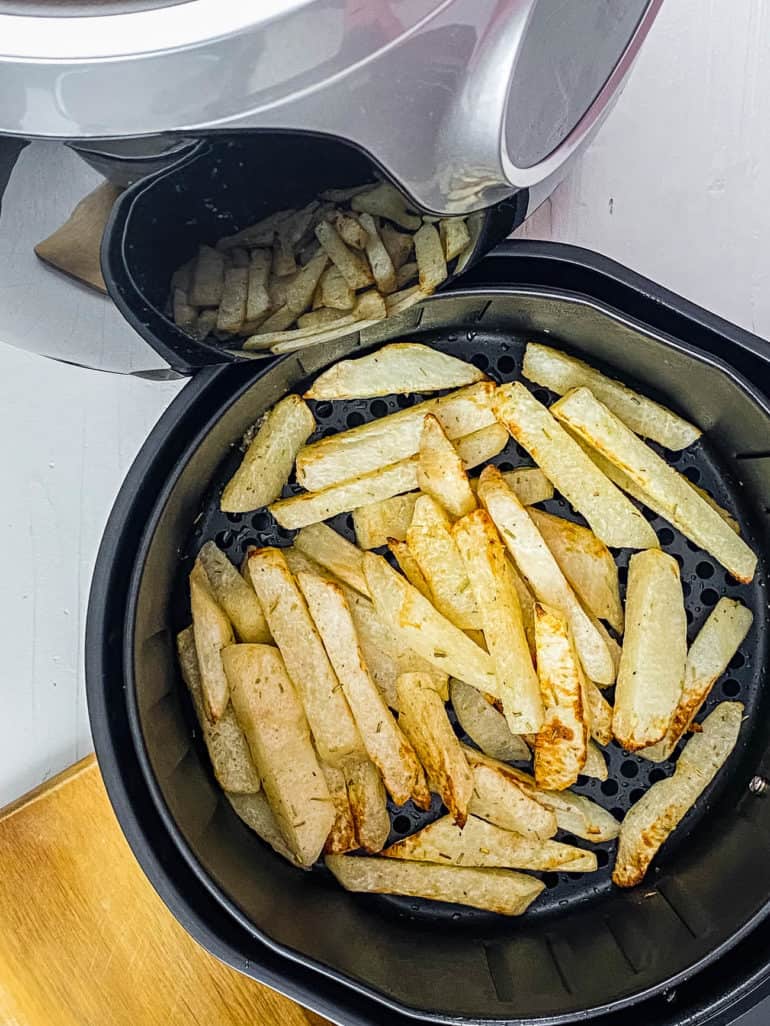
351, 229
574, 813
376, 486
406, 274
672, 492
318, 319
232, 306
404, 299
377, 522
479, 843
333, 552
424, 721
530, 484
368, 804
342, 836
269, 459
430, 541
454, 236
312, 507
587, 564
716, 643
484, 725
611, 516
499, 798
385, 200
299, 294
656, 815
351, 264
379, 259
340, 328
260, 234
495, 890
654, 650
383, 740
395, 437
335, 292
440, 470
526, 603
537, 564
498, 607
334, 731
254, 810
481, 446
398, 245
225, 741
424, 630
429, 253
258, 299
392, 370
213, 634
272, 718
561, 373
185, 315
596, 763
277, 332
624, 482
598, 712
561, 745
235, 595
207, 277
475, 223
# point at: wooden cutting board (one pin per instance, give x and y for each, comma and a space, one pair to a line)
86, 941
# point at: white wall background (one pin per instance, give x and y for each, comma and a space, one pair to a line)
676, 186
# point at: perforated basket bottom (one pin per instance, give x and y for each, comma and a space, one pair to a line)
704, 582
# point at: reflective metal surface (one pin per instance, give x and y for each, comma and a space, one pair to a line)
462, 101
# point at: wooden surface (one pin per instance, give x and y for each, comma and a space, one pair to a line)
86, 941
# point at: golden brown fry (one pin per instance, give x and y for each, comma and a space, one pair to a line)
225, 741
534, 559
385, 744
334, 731
654, 651
271, 716
499, 798
342, 836
410, 568
479, 843
649, 823
268, 461
351, 230
213, 633
496, 890
497, 603
424, 721
561, 744
429, 253
299, 294
440, 471
368, 804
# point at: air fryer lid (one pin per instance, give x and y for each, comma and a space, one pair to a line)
582, 953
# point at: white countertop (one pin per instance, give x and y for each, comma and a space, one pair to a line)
676, 186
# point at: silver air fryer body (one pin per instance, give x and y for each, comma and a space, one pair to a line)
460, 102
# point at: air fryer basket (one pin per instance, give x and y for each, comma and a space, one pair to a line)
226, 183
585, 949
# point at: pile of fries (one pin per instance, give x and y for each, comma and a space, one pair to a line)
300, 277
321, 672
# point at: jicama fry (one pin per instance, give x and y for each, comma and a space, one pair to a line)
440, 470
484, 725
213, 634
